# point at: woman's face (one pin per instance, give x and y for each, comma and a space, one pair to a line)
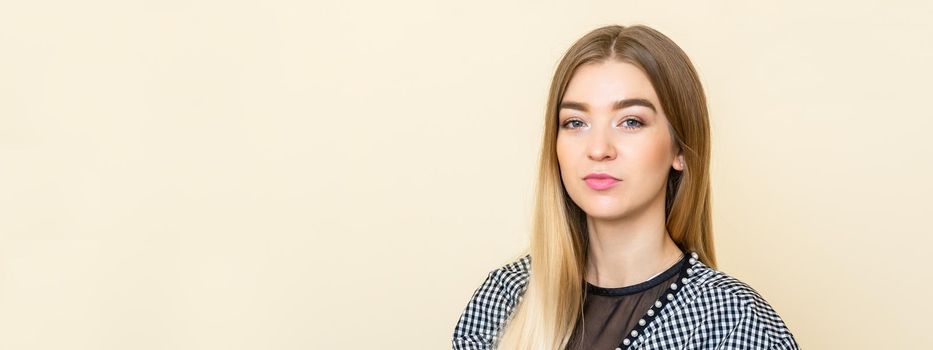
611, 122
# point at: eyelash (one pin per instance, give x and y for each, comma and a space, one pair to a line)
575, 120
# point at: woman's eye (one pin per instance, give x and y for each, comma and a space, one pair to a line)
569, 122
637, 123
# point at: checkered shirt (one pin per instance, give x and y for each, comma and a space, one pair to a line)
712, 311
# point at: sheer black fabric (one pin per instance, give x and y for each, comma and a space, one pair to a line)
610, 313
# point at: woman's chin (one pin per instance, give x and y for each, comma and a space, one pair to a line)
604, 211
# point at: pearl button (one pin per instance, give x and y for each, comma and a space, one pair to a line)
690, 271
674, 286
650, 312
618, 348
692, 261
695, 255
634, 333
670, 296
657, 303
626, 341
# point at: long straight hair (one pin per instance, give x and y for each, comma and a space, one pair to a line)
552, 303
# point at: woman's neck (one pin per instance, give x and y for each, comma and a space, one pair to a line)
626, 252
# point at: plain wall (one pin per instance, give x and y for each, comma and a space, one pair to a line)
344, 174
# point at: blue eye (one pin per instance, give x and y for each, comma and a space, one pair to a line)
635, 125
570, 121
632, 120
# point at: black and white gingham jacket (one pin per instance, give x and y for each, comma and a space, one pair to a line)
712, 310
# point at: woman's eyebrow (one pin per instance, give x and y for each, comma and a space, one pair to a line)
580, 106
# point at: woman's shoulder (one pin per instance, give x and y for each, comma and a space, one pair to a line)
736, 305
509, 279
513, 274
491, 304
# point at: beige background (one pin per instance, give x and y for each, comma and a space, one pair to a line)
295, 175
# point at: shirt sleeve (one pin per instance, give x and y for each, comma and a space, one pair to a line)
758, 327
486, 312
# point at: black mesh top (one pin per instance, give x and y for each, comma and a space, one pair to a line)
611, 313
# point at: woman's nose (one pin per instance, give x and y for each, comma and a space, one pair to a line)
600, 145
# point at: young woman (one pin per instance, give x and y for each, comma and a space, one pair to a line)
621, 253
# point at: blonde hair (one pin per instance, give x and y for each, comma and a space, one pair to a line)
553, 300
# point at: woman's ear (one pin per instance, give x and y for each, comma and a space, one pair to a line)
679, 163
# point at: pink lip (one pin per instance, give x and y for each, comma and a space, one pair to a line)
599, 181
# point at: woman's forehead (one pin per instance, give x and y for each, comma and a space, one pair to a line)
601, 85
